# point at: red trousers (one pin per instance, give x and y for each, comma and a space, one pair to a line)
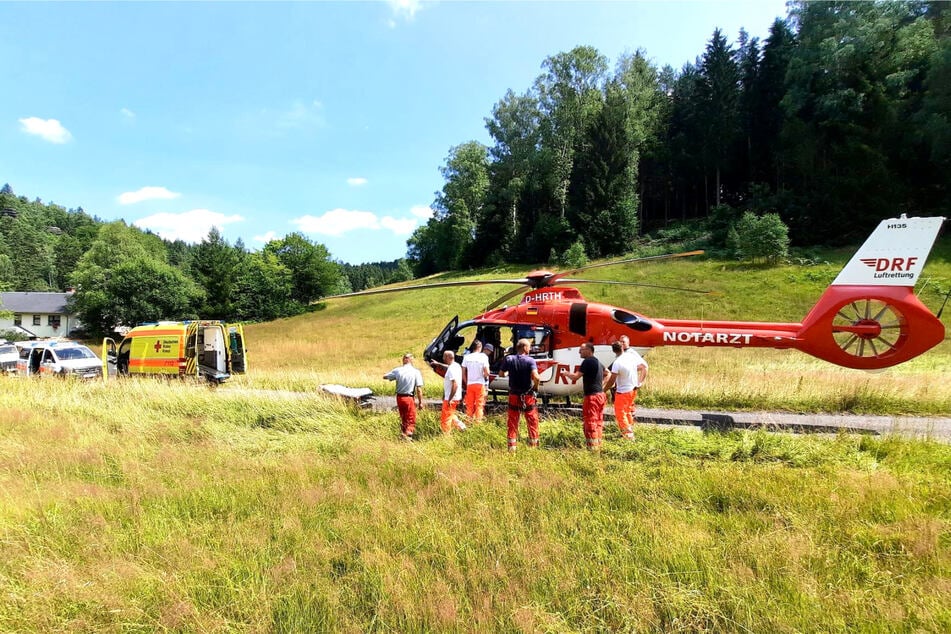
475, 401
407, 407
624, 412
523, 403
448, 417
592, 413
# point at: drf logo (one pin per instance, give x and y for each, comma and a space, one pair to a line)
889, 264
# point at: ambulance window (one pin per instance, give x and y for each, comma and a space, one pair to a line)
48, 357
124, 348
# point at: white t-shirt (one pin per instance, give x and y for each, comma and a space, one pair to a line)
638, 361
625, 367
473, 364
453, 372
626, 372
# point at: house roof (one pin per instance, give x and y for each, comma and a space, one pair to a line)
28, 302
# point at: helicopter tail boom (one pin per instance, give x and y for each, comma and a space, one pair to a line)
868, 318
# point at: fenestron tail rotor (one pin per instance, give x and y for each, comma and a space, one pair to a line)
869, 328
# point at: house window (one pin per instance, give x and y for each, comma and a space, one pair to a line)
53, 320
36, 320
17, 319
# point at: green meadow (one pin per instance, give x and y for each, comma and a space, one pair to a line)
262, 506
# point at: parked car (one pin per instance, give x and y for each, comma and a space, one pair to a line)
57, 358
8, 357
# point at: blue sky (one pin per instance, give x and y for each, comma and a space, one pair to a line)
328, 118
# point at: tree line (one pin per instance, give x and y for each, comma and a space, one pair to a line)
838, 119
124, 276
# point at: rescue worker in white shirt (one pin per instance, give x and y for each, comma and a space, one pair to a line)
409, 394
641, 365
452, 394
475, 378
624, 377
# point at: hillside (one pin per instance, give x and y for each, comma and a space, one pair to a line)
142, 506
354, 341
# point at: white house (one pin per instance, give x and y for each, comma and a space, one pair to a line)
38, 314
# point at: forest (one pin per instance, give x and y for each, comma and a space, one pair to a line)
840, 117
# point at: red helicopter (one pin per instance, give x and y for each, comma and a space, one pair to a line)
868, 318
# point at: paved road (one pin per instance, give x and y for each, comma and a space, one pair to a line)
907, 426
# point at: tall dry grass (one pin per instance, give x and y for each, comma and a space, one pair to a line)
154, 506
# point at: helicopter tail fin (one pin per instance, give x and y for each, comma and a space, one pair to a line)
869, 317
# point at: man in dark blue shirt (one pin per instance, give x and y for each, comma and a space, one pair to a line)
523, 384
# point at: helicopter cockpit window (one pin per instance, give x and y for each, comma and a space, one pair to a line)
540, 338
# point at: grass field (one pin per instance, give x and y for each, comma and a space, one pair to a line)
148, 506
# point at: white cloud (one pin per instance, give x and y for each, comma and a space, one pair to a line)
47, 129
147, 193
128, 114
337, 222
399, 226
267, 237
190, 226
422, 211
405, 9
356, 181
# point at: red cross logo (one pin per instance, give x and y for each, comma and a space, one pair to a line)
158, 345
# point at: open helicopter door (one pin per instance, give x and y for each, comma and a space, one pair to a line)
434, 350
238, 353
109, 356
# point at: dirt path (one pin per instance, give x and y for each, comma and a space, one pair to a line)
907, 426
934, 428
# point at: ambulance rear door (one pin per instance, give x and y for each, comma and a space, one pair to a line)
213, 359
238, 352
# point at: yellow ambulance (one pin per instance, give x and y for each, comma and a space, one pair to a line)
210, 349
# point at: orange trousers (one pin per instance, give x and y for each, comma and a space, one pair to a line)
475, 401
448, 418
624, 412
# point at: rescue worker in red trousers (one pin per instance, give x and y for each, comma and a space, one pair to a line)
523, 386
409, 394
593, 375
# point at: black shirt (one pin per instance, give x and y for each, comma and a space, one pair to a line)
592, 377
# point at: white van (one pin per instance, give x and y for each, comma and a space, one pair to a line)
58, 358
8, 357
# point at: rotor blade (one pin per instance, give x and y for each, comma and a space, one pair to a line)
667, 256
500, 300
570, 280
419, 287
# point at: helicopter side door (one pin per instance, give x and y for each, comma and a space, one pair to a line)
442, 341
